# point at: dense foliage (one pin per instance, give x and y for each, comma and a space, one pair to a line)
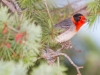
23, 38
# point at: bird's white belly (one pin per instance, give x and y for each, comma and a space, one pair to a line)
65, 36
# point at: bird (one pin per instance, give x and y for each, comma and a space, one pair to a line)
69, 27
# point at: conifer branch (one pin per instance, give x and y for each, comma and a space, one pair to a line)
10, 5
58, 61
77, 67
69, 4
51, 56
13, 29
17, 6
13, 6
81, 8
47, 8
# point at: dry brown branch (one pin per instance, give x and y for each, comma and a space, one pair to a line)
47, 8
77, 67
69, 4
79, 9
10, 5
13, 6
58, 61
83, 7
51, 56
17, 6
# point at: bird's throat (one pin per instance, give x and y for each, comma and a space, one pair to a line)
78, 25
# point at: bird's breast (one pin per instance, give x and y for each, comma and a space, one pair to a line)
65, 36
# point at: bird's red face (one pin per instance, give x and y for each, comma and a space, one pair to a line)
78, 20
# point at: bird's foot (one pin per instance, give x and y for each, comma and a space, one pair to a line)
75, 49
67, 45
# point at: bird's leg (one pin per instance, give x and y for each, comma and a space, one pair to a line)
75, 48
66, 44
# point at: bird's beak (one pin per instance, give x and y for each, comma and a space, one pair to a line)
87, 20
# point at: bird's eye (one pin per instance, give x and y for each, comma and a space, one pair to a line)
80, 17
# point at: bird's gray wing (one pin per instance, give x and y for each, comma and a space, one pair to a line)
64, 25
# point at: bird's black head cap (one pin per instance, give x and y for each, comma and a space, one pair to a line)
77, 17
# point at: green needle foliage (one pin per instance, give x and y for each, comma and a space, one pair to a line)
94, 10
46, 69
11, 68
20, 39
37, 10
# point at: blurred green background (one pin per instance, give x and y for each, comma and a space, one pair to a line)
87, 40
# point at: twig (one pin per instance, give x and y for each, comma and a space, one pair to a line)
58, 61
10, 5
13, 6
17, 6
55, 55
77, 68
75, 49
65, 55
69, 4
60, 49
48, 10
83, 7
15, 30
